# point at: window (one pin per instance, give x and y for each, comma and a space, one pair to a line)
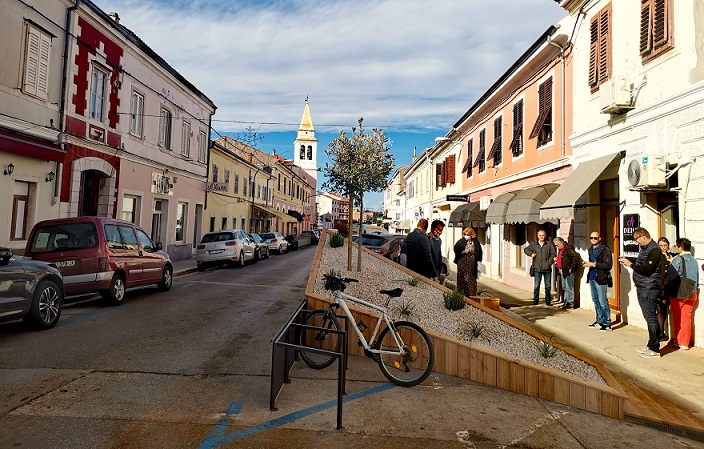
655, 28
310, 153
495, 152
20, 203
223, 224
303, 152
202, 146
137, 114
36, 64
600, 48
129, 208
97, 94
543, 126
244, 186
259, 190
279, 188
470, 155
481, 162
181, 216
212, 224
215, 172
145, 241
165, 129
439, 175
129, 239
517, 140
236, 187
186, 139
227, 177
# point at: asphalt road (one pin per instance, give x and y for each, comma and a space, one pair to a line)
191, 368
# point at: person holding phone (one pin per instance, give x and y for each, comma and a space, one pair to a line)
599, 264
646, 278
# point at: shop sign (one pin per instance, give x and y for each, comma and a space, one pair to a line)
456, 198
216, 187
630, 246
162, 184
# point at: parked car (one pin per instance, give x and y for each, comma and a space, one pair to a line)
292, 242
313, 237
262, 249
30, 289
100, 254
276, 241
379, 242
227, 246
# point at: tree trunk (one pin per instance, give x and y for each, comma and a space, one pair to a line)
349, 232
360, 232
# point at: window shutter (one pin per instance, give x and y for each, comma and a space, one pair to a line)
660, 23
438, 176
43, 66
593, 52
470, 156
646, 21
516, 146
30, 71
604, 45
450, 169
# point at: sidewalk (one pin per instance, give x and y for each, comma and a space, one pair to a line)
184, 266
676, 376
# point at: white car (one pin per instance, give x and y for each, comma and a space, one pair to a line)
226, 246
275, 241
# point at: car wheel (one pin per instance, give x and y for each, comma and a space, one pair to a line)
167, 279
240, 262
115, 295
46, 305
266, 252
201, 267
281, 249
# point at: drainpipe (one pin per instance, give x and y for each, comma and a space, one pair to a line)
562, 96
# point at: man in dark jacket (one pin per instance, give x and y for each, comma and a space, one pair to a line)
436, 229
543, 255
646, 278
417, 249
600, 264
568, 262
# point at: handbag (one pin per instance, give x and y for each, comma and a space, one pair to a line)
687, 286
531, 271
609, 279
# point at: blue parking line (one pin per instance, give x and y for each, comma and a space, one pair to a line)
89, 315
217, 436
190, 284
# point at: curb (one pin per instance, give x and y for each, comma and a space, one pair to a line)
184, 271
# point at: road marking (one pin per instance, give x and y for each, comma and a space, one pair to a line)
88, 315
242, 284
217, 436
190, 284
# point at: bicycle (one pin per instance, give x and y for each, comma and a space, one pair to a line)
403, 351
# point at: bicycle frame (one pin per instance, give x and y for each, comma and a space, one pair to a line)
340, 298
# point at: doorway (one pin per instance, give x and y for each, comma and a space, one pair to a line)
91, 187
609, 229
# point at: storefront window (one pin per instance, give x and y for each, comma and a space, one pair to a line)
181, 215
129, 208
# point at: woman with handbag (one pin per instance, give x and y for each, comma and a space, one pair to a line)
468, 254
681, 283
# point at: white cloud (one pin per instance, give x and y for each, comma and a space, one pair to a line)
398, 63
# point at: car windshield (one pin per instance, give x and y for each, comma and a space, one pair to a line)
63, 237
217, 237
256, 238
268, 235
370, 240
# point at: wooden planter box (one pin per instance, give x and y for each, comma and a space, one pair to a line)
460, 358
488, 301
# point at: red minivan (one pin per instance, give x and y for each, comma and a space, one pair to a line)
97, 254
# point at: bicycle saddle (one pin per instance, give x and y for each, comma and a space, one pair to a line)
395, 293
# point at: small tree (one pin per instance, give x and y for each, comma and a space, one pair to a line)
359, 164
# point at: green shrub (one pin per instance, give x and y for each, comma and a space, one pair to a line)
405, 310
475, 330
450, 285
454, 300
337, 240
414, 281
547, 349
332, 283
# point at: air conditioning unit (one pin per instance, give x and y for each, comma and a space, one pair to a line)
484, 202
615, 95
647, 171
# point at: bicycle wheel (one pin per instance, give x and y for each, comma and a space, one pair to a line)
416, 362
320, 339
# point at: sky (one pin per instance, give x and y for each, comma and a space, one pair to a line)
409, 67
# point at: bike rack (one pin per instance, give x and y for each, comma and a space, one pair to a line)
285, 351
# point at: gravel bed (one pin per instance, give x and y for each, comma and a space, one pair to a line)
430, 313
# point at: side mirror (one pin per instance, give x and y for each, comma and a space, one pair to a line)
5, 255
158, 246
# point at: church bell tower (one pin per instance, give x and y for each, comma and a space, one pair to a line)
305, 147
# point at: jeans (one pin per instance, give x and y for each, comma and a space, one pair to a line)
568, 287
647, 298
536, 286
601, 303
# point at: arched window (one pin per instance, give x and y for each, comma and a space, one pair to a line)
303, 151
310, 153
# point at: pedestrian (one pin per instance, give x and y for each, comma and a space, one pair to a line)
468, 254
646, 278
664, 299
436, 228
683, 273
417, 249
394, 252
568, 262
598, 278
543, 255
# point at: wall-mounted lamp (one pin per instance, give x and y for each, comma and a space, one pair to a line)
49, 177
9, 170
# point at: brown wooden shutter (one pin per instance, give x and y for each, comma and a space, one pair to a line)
470, 158
605, 44
450, 161
516, 146
660, 23
593, 52
646, 10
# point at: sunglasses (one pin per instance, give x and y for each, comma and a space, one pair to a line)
593, 238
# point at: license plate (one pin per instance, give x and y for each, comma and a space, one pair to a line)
216, 251
65, 263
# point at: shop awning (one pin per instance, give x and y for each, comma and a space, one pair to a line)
525, 206
296, 215
12, 142
468, 215
275, 213
405, 224
496, 213
561, 204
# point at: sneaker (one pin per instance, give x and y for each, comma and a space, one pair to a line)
643, 350
664, 337
650, 354
594, 325
605, 328
684, 348
567, 306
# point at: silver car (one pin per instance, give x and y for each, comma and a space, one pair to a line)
275, 241
226, 246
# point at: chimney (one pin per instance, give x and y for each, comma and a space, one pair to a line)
249, 158
114, 16
274, 151
414, 154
